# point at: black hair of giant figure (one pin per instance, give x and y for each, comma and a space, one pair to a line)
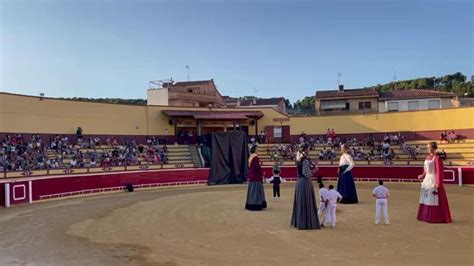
304, 147
253, 149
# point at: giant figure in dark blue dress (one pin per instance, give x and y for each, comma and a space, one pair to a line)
345, 184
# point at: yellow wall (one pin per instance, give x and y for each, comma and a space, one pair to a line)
28, 114
442, 119
32, 115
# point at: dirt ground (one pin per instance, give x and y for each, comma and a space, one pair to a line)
208, 226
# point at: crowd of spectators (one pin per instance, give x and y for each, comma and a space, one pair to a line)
282, 152
20, 154
394, 139
448, 137
412, 151
361, 149
327, 154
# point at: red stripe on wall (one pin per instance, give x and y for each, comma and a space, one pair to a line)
47, 187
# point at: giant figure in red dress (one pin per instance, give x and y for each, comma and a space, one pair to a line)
255, 193
434, 207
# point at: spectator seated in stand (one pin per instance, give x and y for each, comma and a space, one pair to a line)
411, 151
386, 156
444, 137
281, 151
452, 137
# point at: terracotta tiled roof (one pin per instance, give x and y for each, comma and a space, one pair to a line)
267, 101
414, 94
229, 99
214, 115
195, 82
367, 92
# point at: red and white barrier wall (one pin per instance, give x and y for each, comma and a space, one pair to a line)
33, 189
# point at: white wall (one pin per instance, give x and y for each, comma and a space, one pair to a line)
422, 104
157, 97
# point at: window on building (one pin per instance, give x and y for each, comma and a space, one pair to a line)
393, 107
277, 132
413, 106
333, 105
433, 104
190, 90
365, 105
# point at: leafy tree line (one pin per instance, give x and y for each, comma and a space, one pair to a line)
108, 100
456, 83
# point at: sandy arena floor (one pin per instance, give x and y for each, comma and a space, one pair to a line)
208, 226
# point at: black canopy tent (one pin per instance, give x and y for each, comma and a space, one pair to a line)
229, 155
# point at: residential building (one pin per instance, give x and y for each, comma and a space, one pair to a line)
342, 101
231, 101
201, 93
466, 101
414, 100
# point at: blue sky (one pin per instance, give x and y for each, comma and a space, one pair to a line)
278, 48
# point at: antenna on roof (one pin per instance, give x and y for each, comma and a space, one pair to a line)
187, 68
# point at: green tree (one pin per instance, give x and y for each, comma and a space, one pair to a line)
288, 104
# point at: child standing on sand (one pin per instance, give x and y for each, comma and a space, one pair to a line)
333, 198
322, 202
381, 194
276, 180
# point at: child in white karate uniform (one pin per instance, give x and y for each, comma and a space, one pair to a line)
333, 197
381, 194
322, 202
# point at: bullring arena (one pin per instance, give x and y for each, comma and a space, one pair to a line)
84, 216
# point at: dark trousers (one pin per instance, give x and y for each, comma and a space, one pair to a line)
276, 191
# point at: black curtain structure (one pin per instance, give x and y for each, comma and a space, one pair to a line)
229, 155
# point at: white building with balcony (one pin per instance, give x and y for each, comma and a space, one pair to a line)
414, 100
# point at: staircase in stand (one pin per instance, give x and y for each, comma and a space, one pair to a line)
194, 155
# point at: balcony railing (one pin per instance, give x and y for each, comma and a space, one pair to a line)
195, 91
347, 112
192, 96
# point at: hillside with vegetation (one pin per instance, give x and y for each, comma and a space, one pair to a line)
456, 83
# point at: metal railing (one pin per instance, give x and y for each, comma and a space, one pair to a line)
90, 170
347, 112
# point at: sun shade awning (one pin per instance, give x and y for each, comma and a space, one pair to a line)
215, 115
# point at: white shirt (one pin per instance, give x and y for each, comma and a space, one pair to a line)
346, 159
380, 192
333, 196
323, 194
